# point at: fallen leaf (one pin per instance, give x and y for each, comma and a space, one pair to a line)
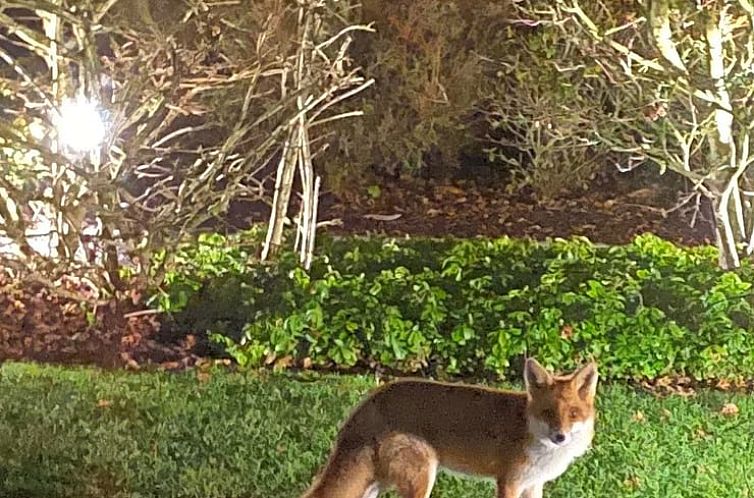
270, 358
284, 362
566, 332
729, 410
632, 482
450, 189
383, 217
684, 381
638, 417
664, 381
190, 341
129, 361
103, 403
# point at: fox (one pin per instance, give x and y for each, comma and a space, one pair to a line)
408, 429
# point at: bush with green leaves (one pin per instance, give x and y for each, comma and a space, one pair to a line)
475, 307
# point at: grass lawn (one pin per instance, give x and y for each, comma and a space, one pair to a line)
83, 433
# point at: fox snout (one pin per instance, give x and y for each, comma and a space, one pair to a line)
561, 436
553, 433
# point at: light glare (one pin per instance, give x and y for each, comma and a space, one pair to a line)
80, 125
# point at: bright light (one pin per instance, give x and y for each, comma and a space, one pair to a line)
80, 125
37, 131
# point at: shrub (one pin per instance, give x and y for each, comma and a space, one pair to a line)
429, 78
476, 307
544, 103
493, 84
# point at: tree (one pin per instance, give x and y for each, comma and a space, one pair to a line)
682, 81
192, 105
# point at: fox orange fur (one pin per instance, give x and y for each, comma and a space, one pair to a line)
405, 430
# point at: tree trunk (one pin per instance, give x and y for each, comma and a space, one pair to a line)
281, 198
725, 233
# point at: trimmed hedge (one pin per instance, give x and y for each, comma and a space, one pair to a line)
474, 307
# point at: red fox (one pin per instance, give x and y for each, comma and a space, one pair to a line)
404, 431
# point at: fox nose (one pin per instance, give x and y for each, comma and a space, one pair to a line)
558, 438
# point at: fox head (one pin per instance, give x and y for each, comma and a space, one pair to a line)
560, 408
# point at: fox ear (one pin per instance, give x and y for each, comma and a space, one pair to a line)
535, 375
585, 380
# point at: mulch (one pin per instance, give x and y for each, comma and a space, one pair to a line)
39, 324
455, 210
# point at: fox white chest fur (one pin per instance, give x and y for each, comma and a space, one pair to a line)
547, 461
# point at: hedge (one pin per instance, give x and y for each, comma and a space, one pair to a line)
472, 308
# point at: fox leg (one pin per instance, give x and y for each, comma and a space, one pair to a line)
534, 491
372, 491
348, 474
508, 490
408, 464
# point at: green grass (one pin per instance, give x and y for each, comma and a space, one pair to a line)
84, 433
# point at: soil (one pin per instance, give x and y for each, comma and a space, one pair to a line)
455, 210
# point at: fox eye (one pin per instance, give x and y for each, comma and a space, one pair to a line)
575, 413
548, 413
